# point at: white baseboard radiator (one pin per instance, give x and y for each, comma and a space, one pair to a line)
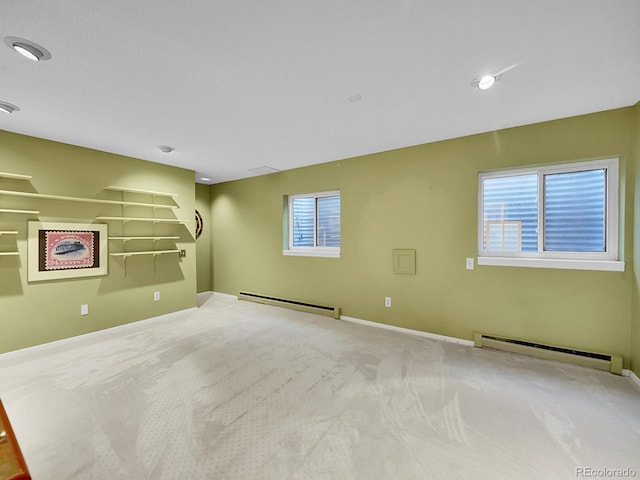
602, 361
293, 304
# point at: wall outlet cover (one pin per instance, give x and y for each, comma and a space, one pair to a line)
156, 296
84, 309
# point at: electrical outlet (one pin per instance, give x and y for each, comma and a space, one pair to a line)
84, 309
470, 264
156, 296
387, 301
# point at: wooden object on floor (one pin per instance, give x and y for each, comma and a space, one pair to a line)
12, 465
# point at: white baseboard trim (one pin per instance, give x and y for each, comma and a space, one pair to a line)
104, 333
432, 336
204, 297
225, 295
634, 378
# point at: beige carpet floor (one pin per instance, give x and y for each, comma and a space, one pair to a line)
240, 391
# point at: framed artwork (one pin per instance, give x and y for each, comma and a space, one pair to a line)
66, 250
199, 224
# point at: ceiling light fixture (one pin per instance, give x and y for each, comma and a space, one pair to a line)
205, 179
486, 82
28, 51
166, 148
8, 107
27, 48
356, 97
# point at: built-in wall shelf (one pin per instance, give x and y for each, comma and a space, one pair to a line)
169, 197
86, 200
143, 219
154, 220
8, 254
26, 212
155, 238
143, 192
15, 176
154, 253
148, 252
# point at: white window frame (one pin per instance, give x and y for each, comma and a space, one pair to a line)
607, 260
316, 251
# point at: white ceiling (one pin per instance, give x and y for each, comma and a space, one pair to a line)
239, 84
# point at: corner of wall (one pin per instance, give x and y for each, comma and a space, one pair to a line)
204, 241
635, 307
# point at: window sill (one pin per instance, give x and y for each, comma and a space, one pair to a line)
602, 265
312, 253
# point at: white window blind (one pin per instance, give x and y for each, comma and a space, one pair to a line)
575, 211
304, 217
511, 200
328, 227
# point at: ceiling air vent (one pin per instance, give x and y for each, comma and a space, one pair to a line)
263, 170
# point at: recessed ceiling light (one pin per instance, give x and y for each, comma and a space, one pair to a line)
486, 82
28, 51
483, 82
27, 48
8, 107
205, 179
166, 148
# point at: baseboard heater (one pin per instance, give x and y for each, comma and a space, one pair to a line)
295, 305
602, 361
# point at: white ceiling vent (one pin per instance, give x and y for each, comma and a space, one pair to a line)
263, 170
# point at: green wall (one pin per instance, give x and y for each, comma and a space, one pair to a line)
635, 316
204, 242
425, 198
40, 312
422, 197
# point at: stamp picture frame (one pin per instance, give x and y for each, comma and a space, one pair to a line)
66, 250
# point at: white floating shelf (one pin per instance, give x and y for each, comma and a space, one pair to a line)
15, 176
144, 192
126, 239
9, 254
143, 219
85, 200
28, 212
8, 232
149, 252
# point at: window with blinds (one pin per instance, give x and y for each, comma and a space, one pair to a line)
510, 213
575, 211
314, 223
558, 211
